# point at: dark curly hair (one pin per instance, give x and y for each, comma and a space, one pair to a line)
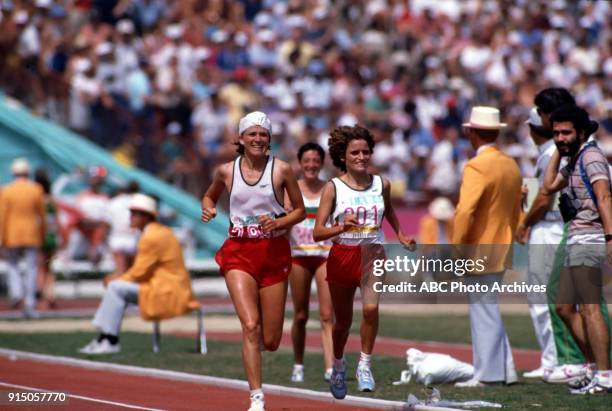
340, 138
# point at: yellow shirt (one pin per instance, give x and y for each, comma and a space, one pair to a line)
159, 268
23, 216
489, 207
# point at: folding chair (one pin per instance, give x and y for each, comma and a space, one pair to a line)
194, 305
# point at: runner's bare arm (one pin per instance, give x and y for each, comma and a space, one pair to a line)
391, 217
321, 232
211, 196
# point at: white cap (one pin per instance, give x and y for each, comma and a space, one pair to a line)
320, 13
534, 118
20, 166
43, 4
104, 48
142, 202
442, 209
296, 21
125, 26
21, 17
262, 19
256, 118
174, 128
82, 65
219, 36
241, 39
266, 35
174, 31
201, 53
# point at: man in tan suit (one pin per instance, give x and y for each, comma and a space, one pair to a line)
22, 230
158, 281
487, 216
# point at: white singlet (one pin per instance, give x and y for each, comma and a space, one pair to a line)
248, 202
368, 205
302, 243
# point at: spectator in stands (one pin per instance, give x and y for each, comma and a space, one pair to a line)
87, 241
437, 226
313, 64
158, 281
23, 221
122, 238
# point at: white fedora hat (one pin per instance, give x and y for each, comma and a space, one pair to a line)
484, 117
142, 202
442, 209
20, 166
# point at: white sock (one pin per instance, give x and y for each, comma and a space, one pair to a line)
298, 367
257, 394
339, 364
365, 360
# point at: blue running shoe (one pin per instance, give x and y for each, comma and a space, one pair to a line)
337, 384
365, 381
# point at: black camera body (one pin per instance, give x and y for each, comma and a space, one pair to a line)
567, 208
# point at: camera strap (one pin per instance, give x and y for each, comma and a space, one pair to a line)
584, 176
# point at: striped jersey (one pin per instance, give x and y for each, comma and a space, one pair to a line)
302, 243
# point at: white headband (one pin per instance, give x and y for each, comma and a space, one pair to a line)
256, 118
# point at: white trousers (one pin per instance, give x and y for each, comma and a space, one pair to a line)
492, 355
544, 239
116, 298
17, 287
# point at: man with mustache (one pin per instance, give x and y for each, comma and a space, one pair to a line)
587, 205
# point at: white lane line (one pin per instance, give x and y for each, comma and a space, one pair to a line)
307, 394
81, 397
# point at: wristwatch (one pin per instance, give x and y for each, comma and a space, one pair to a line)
608, 237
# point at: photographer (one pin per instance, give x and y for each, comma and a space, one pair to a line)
586, 204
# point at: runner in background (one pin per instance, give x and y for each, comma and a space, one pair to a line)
309, 261
51, 242
256, 258
356, 202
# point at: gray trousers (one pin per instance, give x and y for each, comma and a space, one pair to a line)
18, 288
491, 351
116, 298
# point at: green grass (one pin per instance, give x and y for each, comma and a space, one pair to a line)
224, 360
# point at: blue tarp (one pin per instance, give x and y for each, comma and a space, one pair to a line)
46, 144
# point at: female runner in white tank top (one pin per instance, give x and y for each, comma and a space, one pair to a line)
357, 202
256, 258
309, 260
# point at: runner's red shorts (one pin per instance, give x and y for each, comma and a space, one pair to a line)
267, 260
347, 265
310, 263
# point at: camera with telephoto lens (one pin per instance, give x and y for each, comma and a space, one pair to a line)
567, 208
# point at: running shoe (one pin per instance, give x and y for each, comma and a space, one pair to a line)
365, 380
100, 347
598, 385
297, 375
567, 373
327, 375
337, 384
257, 403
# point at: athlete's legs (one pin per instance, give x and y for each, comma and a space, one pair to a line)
326, 315
369, 327
590, 291
342, 301
567, 298
272, 303
300, 280
244, 292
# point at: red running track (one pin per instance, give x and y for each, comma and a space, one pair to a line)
138, 391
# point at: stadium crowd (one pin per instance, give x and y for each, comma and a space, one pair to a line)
162, 84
